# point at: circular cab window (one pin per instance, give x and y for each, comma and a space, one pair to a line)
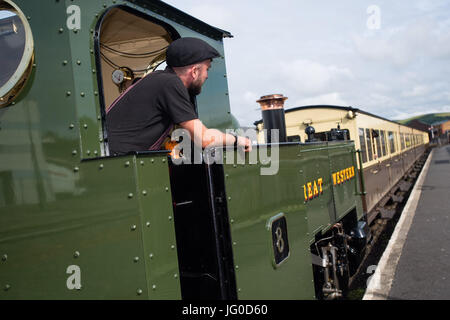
16, 54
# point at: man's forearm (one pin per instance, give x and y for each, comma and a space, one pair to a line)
207, 137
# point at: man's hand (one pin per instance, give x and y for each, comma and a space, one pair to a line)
213, 137
244, 142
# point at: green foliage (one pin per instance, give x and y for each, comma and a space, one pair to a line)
428, 118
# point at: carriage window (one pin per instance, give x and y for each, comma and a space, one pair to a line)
362, 143
408, 140
130, 47
16, 53
402, 141
383, 142
376, 137
391, 141
369, 145
396, 146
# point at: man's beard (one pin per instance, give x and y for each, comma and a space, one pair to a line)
195, 89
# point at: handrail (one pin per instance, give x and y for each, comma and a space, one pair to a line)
361, 176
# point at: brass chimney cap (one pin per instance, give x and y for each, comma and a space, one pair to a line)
272, 101
272, 97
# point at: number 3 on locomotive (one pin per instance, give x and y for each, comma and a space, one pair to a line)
277, 226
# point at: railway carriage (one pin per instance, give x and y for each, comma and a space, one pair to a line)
388, 149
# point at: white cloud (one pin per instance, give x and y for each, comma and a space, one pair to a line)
323, 53
418, 90
430, 6
251, 97
216, 15
332, 98
404, 44
310, 77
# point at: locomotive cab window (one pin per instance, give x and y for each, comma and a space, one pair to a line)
129, 46
16, 53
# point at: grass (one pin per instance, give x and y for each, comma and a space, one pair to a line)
429, 118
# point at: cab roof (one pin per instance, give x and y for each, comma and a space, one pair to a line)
183, 18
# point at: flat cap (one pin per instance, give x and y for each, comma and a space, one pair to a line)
186, 51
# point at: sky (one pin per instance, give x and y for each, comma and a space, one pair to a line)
390, 58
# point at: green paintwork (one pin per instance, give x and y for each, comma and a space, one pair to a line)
63, 203
157, 221
341, 157
253, 200
103, 218
53, 205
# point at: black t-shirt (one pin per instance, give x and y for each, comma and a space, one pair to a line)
144, 113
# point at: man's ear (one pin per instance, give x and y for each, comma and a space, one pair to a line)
194, 71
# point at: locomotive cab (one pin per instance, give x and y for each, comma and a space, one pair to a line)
129, 46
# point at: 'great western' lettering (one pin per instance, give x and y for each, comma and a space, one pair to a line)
313, 189
344, 175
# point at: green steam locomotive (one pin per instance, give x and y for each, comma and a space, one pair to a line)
77, 223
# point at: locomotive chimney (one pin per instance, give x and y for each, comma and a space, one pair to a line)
272, 107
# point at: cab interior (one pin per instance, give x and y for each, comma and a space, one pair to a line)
132, 45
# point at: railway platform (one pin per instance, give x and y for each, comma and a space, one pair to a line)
416, 262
